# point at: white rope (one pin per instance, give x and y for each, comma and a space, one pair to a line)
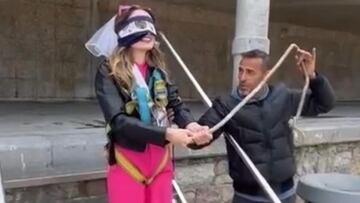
297, 133
303, 94
260, 179
254, 91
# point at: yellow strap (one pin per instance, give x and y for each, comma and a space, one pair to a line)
161, 166
134, 172
129, 167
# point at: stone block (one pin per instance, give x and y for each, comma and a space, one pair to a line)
69, 149
222, 179
221, 168
208, 194
30, 153
95, 188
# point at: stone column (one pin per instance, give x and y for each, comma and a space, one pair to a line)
251, 30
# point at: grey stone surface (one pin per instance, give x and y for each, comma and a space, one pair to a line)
20, 155
326, 158
84, 150
40, 139
208, 194
197, 179
69, 193
336, 130
195, 175
222, 179
221, 167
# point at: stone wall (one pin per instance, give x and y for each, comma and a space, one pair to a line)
79, 192
337, 56
203, 179
206, 180
42, 54
43, 57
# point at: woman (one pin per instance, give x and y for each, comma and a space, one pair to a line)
134, 93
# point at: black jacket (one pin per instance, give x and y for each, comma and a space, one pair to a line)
128, 131
261, 128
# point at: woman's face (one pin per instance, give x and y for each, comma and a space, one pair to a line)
148, 41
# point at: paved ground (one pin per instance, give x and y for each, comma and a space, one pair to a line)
27, 117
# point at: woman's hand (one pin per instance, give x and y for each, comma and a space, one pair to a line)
178, 136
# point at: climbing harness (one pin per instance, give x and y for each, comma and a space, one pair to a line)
150, 111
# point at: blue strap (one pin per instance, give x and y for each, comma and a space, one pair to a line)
143, 106
143, 99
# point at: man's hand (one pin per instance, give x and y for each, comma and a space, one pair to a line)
195, 127
306, 62
200, 134
202, 137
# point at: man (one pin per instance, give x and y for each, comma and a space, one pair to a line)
261, 126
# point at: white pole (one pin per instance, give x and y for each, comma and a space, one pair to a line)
2, 193
179, 192
186, 69
251, 30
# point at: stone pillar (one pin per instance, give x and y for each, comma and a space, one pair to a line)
251, 30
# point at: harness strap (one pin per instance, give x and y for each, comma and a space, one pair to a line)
135, 173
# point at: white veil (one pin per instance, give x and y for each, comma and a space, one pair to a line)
104, 41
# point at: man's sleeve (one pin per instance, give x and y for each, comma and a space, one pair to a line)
319, 99
181, 112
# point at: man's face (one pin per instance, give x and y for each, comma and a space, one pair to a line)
251, 72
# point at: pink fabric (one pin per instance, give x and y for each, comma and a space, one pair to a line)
123, 8
122, 188
144, 69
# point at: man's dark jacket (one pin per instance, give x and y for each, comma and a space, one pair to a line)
262, 130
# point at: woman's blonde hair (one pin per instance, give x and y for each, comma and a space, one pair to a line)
121, 62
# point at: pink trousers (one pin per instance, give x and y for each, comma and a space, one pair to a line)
122, 188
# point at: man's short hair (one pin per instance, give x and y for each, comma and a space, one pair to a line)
256, 53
